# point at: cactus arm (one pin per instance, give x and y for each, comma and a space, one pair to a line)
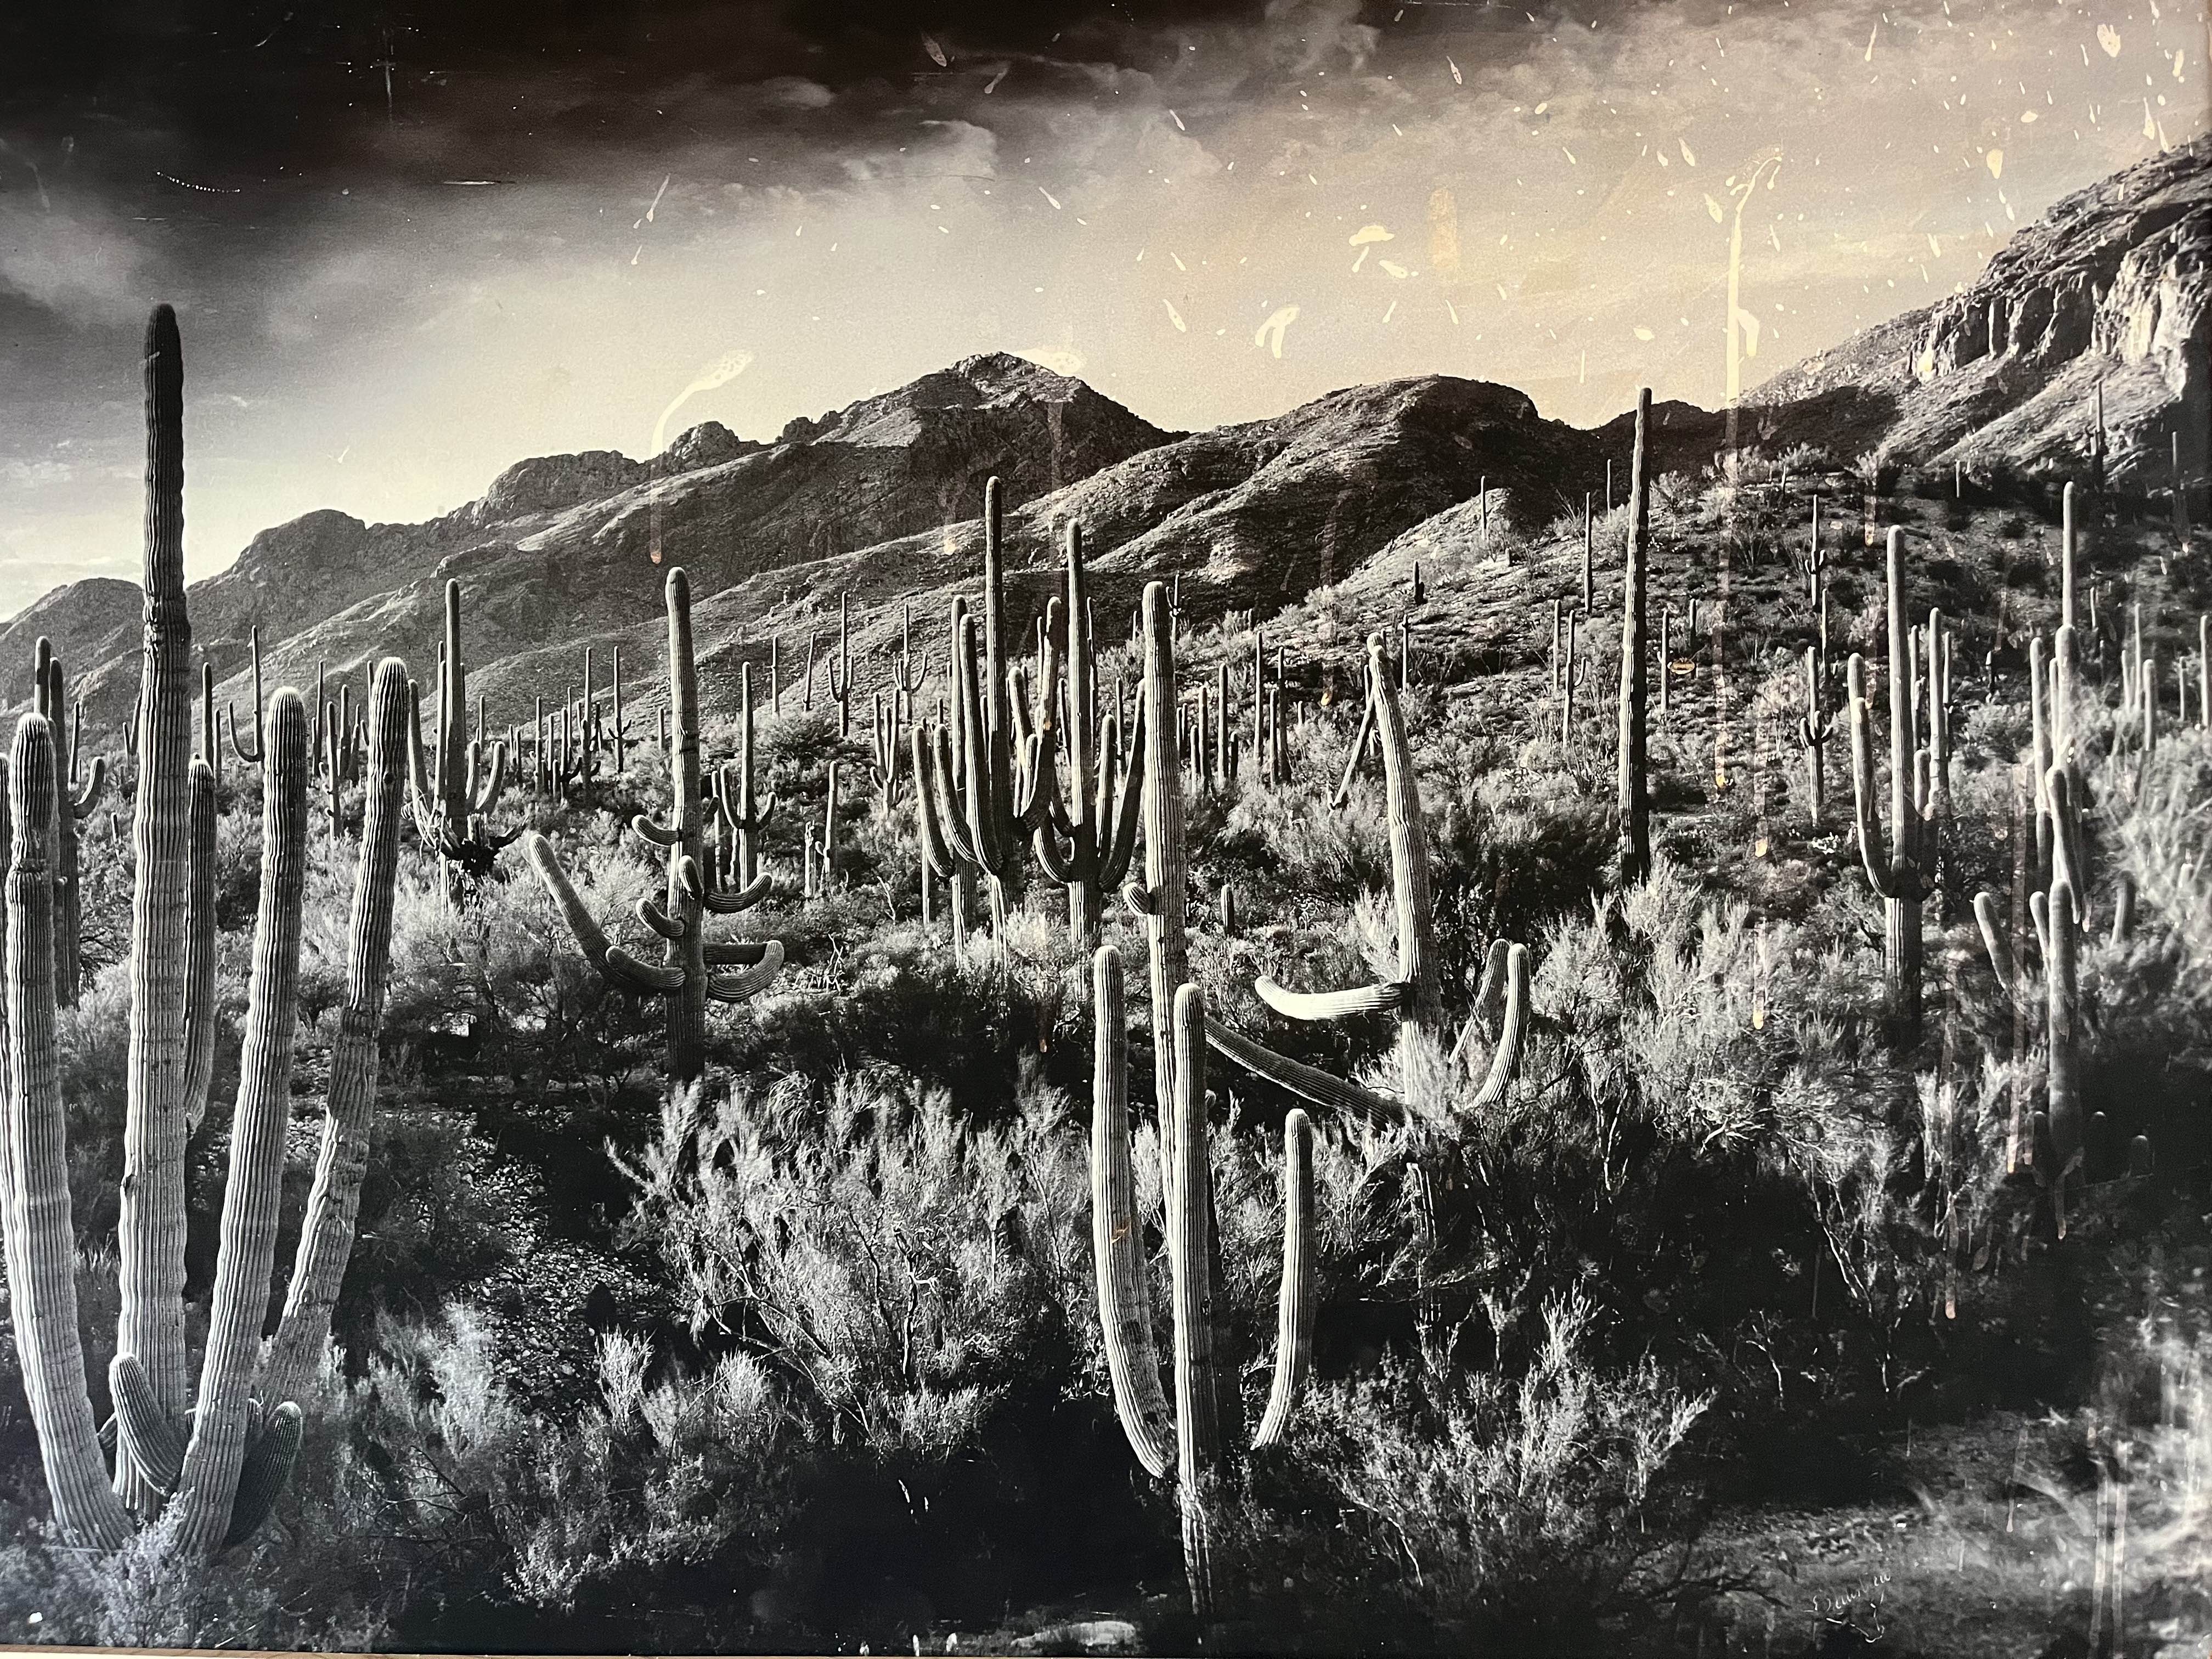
1309, 1084
649, 912
267, 1467
610, 960
1114, 866
144, 1434
1386, 997
1294, 1305
480, 835
1064, 866
253, 1193
480, 800
1360, 739
642, 826
742, 986
333, 1202
738, 953
1512, 1031
1117, 1244
1993, 938
936, 845
953, 811
86, 799
200, 993
1872, 855
41, 1242
729, 904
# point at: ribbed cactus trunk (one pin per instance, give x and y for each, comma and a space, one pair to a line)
1086, 911
1117, 1232
687, 1006
2062, 1009
1190, 1259
1423, 1009
151, 1233
453, 786
253, 1195
1166, 875
1635, 794
334, 1201
748, 815
1901, 911
41, 1242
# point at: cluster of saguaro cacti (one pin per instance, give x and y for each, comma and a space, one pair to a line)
455, 784
976, 801
1413, 996
78, 799
2059, 905
692, 970
1086, 832
221, 1456
1188, 1438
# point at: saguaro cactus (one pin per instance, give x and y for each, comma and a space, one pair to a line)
455, 786
1193, 1426
226, 1468
744, 813
1900, 872
251, 756
1814, 732
684, 978
1413, 996
78, 799
841, 667
1089, 831
1635, 790
151, 1232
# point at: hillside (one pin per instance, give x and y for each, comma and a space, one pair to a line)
878, 499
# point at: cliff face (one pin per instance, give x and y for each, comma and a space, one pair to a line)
2109, 290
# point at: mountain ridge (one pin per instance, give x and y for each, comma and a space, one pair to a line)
880, 498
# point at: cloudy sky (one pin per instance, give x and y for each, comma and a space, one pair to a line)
412, 242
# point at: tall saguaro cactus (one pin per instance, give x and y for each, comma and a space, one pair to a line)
1635, 790
1898, 871
457, 783
685, 978
151, 1232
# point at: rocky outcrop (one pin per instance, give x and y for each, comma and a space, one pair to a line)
2107, 291
547, 482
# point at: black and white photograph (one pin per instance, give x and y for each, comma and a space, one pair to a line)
1107, 827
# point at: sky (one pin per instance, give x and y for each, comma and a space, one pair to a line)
410, 244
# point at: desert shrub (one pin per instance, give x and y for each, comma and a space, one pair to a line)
1428, 1503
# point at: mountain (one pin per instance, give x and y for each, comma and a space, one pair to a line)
2109, 288
877, 500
